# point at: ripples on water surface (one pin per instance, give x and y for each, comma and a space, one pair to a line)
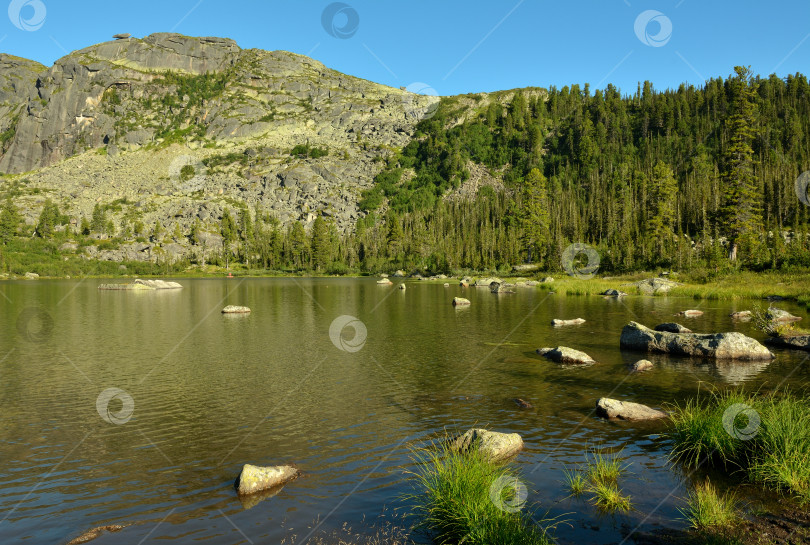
212, 392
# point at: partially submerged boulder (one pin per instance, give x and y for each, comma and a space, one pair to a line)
626, 410
613, 293
713, 345
402, 286
672, 327
652, 286
233, 309
384, 282
460, 302
563, 354
576, 321
501, 287
778, 315
494, 445
690, 313
486, 282
799, 342
255, 478
143, 285
741, 315
641, 365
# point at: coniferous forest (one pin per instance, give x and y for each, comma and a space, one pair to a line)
693, 177
685, 179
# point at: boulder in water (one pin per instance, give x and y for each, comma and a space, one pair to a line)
626, 410
641, 365
460, 302
255, 478
613, 293
690, 313
233, 309
494, 445
576, 321
714, 345
563, 354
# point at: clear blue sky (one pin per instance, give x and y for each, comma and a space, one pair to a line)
456, 46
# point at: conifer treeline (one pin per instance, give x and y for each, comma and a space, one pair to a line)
679, 178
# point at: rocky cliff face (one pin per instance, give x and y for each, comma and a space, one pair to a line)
174, 129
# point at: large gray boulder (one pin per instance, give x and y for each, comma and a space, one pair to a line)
626, 410
494, 445
714, 345
565, 355
255, 478
501, 287
486, 282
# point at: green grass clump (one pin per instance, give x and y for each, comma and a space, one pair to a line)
708, 510
575, 482
765, 437
454, 500
607, 497
600, 478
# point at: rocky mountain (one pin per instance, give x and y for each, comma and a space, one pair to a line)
172, 129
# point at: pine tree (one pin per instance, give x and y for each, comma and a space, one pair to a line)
741, 211
98, 223
227, 228
298, 245
49, 218
322, 244
10, 221
662, 207
534, 215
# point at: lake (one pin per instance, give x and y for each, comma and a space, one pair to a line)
197, 394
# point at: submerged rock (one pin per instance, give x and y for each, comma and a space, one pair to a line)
384, 282
523, 404
672, 327
641, 365
460, 302
90, 535
563, 354
575, 321
713, 345
626, 410
690, 313
233, 309
494, 445
255, 478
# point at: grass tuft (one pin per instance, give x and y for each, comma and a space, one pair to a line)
459, 499
708, 510
765, 437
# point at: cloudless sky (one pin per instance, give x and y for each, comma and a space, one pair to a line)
455, 46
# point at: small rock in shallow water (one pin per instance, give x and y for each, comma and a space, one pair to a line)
232, 309
90, 535
575, 321
563, 354
690, 313
642, 365
255, 478
495, 446
626, 410
460, 302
